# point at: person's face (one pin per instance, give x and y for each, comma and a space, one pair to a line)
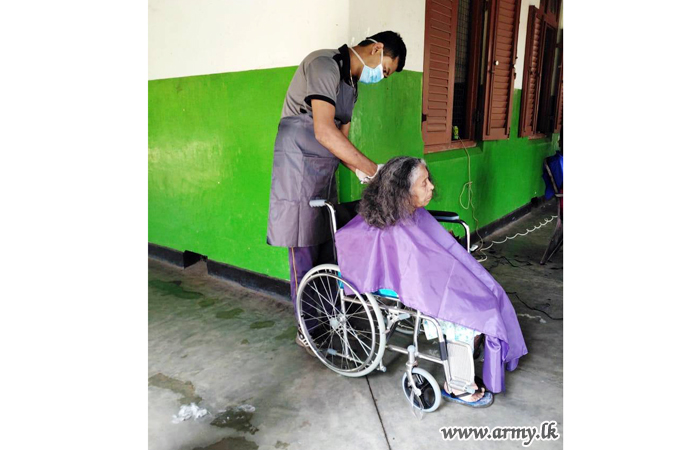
422, 189
390, 65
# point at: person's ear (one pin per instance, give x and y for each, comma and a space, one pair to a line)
376, 47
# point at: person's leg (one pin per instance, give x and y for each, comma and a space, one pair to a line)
301, 260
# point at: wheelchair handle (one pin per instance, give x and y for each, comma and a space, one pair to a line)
320, 202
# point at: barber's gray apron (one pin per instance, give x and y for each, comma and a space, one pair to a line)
303, 170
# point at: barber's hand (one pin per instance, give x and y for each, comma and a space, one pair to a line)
364, 178
361, 175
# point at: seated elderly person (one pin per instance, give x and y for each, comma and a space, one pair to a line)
394, 243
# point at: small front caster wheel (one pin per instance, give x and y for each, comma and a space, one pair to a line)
430, 396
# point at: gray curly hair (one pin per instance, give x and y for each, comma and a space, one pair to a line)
387, 199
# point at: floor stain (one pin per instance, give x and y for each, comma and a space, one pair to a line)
281, 444
174, 288
229, 314
262, 324
206, 302
184, 388
231, 443
538, 318
237, 418
289, 334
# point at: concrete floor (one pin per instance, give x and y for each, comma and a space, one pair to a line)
227, 348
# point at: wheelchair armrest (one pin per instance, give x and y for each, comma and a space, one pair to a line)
445, 216
451, 217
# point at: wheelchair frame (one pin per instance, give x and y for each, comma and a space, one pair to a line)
393, 315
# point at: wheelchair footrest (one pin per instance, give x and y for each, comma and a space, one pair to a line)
461, 361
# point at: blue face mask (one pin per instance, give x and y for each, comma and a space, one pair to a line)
371, 75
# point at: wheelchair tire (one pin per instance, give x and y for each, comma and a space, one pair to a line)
346, 332
431, 395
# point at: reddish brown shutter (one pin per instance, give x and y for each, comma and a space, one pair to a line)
438, 70
550, 9
504, 17
559, 115
476, 30
531, 81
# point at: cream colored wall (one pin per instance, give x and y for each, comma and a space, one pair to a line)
197, 37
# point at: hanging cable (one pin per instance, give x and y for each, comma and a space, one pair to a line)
470, 204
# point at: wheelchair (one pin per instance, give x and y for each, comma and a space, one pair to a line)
349, 331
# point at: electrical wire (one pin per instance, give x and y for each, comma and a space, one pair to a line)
528, 231
470, 203
470, 197
534, 309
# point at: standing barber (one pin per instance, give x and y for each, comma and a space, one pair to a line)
312, 138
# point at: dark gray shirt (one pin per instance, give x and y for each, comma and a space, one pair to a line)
318, 77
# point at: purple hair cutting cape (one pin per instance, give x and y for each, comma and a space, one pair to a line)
432, 273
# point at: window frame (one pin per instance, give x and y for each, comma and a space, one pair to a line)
481, 45
547, 73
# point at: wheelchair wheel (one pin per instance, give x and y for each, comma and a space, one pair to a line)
346, 332
430, 397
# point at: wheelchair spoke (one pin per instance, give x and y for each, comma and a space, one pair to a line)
322, 302
358, 316
317, 338
321, 299
368, 333
337, 290
316, 308
365, 347
356, 358
330, 334
327, 289
345, 358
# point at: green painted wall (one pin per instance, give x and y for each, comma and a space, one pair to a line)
505, 174
210, 147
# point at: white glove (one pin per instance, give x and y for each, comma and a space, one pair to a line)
364, 178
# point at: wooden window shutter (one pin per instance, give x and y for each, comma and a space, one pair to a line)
559, 114
550, 9
504, 18
473, 71
533, 67
438, 70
